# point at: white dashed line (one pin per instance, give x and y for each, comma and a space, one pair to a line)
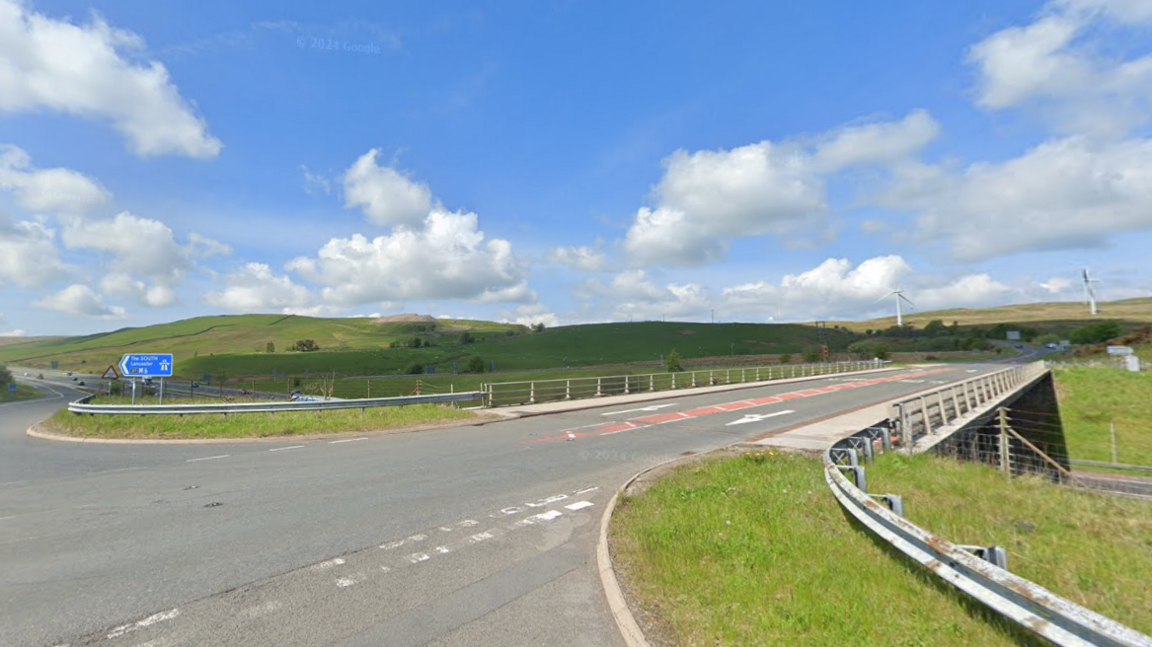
443, 550
280, 449
537, 518
415, 538
146, 622
579, 505
543, 502
513, 510
392, 544
588, 489
468, 523
323, 566
207, 458
271, 606
347, 440
385, 569
355, 578
479, 537
416, 558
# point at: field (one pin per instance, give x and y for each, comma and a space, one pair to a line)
1093, 399
1044, 316
737, 551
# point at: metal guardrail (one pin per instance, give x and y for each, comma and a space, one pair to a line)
1030, 605
82, 407
531, 392
924, 413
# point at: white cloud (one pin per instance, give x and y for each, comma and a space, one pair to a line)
138, 245
28, 254
81, 301
123, 285
314, 182
18, 332
1056, 285
877, 143
204, 247
54, 190
254, 288
448, 258
587, 259
1053, 67
384, 195
527, 315
1061, 194
94, 71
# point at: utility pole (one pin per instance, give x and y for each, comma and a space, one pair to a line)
1005, 446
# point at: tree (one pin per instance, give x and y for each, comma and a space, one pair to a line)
305, 345
466, 338
672, 362
5, 376
934, 328
415, 368
1096, 333
475, 365
811, 355
882, 351
270, 347
786, 358
538, 327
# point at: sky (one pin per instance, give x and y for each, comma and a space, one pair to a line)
568, 161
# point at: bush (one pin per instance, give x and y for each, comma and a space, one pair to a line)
672, 362
1096, 333
5, 376
475, 365
786, 358
415, 368
811, 355
270, 347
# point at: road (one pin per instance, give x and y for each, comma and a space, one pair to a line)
479, 534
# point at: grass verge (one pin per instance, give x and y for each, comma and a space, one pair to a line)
1093, 549
253, 425
1093, 397
23, 392
755, 550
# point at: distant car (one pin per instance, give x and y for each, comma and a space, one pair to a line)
75, 378
69, 373
195, 385
244, 392
1049, 346
81, 384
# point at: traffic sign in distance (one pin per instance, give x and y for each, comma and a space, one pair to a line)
111, 374
146, 365
12, 387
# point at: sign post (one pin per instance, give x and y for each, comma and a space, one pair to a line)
109, 374
147, 365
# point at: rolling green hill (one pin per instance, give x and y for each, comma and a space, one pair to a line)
1046, 316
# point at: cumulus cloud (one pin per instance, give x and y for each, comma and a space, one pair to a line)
527, 315
447, 258
835, 289
1060, 194
587, 259
81, 301
17, 332
28, 254
138, 245
53, 190
314, 183
255, 288
1053, 67
385, 196
123, 285
876, 143
95, 71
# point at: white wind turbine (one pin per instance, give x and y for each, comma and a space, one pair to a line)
1089, 293
899, 294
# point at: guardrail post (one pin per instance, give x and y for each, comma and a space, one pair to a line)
651, 382
598, 383
940, 403
925, 417
955, 403
627, 384
693, 379
743, 375
1005, 444
532, 392
567, 389
905, 425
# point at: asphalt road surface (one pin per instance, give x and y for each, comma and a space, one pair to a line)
470, 535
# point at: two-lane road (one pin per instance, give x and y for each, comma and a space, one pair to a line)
459, 536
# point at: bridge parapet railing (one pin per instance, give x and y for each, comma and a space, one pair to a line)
499, 394
925, 413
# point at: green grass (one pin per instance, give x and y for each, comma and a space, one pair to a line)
23, 392
1092, 397
1093, 549
756, 551
1044, 316
253, 425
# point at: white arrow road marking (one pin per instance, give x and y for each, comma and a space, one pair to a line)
655, 407
757, 417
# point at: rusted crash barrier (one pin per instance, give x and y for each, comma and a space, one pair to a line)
1059, 620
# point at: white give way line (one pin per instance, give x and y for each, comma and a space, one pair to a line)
655, 407
757, 417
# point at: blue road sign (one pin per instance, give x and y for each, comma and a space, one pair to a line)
12, 387
145, 365
55, 365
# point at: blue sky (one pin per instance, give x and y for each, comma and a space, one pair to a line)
567, 162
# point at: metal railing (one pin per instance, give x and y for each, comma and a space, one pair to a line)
978, 571
82, 407
925, 413
512, 393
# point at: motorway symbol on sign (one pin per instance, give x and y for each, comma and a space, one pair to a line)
758, 417
110, 374
147, 365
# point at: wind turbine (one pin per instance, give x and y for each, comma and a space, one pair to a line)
899, 293
1089, 293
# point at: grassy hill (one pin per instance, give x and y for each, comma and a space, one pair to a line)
1044, 316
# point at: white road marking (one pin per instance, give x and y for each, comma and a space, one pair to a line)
513, 510
655, 407
971, 370
579, 505
468, 523
537, 518
416, 558
146, 622
543, 502
445, 529
9, 517
348, 440
323, 566
588, 489
757, 417
280, 449
415, 538
443, 550
392, 544
479, 537
385, 568
207, 458
271, 606
355, 578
